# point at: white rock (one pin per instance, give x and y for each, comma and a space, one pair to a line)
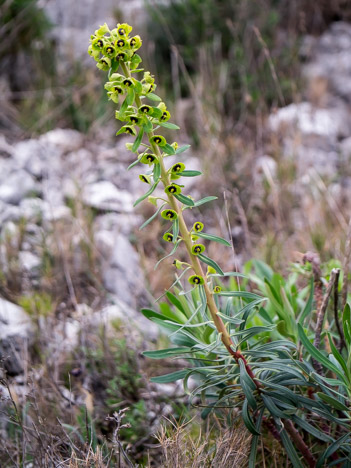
13, 320
28, 261
64, 139
345, 148
8, 213
17, 186
5, 148
105, 195
331, 122
36, 157
32, 208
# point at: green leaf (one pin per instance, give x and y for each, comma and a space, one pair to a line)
166, 353
311, 429
134, 163
346, 322
149, 192
167, 148
244, 294
309, 305
189, 173
175, 229
229, 319
157, 172
166, 315
290, 449
182, 149
137, 141
170, 125
153, 97
332, 402
172, 377
211, 263
183, 199
338, 357
254, 442
211, 237
138, 87
147, 126
152, 217
314, 352
170, 254
273, 408
331, 449
248, 420
247, 385
205, 200
156, 112
124, 107
130, 96
175, 301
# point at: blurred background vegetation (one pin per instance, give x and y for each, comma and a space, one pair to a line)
226, 54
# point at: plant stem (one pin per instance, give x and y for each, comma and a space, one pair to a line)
196, 266
299, 442
195, 263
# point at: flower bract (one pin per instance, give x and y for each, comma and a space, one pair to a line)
168, 237
198, 226
173, 189
197, 249
196, 279
169, 214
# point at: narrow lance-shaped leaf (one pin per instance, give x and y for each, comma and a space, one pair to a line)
205, 200
211, 237
211, 263
248, 420
172, 377
182, 149
152, 217
314, 352
153, 97
137, 141
183, 199
170, 254
157, 172
290, 449
254, 441
149, 192
189, 173
167, 353
169, 125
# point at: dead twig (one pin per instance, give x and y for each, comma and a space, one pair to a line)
321, 314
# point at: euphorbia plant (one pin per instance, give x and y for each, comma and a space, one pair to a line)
226, 335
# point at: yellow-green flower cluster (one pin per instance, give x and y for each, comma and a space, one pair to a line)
111, 46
